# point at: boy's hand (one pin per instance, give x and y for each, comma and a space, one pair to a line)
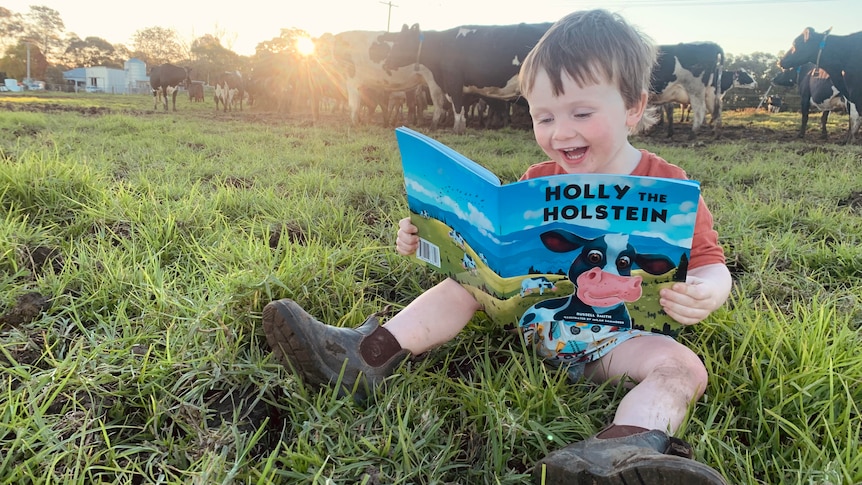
408, 239
706, 288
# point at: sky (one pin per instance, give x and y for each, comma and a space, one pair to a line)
739, 26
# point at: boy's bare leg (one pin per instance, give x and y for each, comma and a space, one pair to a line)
668, 377
434, 318
637, 447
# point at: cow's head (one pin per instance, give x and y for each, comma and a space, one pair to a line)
405, 48
742, 79
805, 48
602, 269
787, 78
612, 253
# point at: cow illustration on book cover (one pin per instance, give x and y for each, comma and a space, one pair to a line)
602, 273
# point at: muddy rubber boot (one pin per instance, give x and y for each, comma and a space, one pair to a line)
647, 458
317, 352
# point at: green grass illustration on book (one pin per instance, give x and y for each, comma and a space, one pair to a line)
571, 253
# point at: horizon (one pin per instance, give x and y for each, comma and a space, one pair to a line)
740, 26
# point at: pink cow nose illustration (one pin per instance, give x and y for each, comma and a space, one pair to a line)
601, 289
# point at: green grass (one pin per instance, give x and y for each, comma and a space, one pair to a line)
138, 248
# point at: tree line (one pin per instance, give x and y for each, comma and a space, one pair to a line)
54, 50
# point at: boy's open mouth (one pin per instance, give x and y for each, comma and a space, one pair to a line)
574, 153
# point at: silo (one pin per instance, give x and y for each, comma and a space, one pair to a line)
136, 74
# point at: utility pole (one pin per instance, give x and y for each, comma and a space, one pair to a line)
28, 64
389, 16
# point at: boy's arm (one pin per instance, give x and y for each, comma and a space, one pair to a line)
706, 288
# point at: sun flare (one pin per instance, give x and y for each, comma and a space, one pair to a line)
305, 46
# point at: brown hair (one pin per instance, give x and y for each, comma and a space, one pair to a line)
592, 46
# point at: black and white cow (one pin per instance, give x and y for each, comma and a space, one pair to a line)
603, 282
165, 80
536, 283
689, 73
478, 59
360, 55
841, 57
815, 89
229, 89
738, 78
774, 102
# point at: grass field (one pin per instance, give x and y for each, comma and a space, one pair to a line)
138, 248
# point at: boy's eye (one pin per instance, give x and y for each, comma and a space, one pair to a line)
582, 115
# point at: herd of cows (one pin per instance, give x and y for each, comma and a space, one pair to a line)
474, 69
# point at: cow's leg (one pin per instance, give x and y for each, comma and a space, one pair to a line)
174, 98
855, 121
438, 99
823, 119
155, 99
669, 119
354, 102
460, 124
806, 107
698, 107
716, 117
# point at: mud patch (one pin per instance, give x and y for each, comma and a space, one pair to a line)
55, 108
27, 308
295, 234
38, 258
26, 353
853, 201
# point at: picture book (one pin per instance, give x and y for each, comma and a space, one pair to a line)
566, 258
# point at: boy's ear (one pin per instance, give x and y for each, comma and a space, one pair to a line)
636, 111
639, 118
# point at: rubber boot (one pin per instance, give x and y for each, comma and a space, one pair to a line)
318, 352
650, 457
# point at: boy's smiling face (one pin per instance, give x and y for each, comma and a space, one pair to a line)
584, 130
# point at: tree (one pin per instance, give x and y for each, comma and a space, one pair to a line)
157, 45
14, 63
11, 28
92, 51
45, 28
211, 58
285, 43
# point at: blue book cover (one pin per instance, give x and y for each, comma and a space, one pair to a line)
564, 255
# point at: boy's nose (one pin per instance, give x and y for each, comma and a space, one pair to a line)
565, 130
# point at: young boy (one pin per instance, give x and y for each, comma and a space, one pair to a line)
587, 83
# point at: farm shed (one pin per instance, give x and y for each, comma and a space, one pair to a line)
100, 79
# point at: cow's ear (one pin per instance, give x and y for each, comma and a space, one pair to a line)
806, 34
415, 27
828, 31
560, 241
654, 264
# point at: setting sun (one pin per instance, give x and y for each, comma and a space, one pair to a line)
305, 46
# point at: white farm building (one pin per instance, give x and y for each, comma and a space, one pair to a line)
100, 79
